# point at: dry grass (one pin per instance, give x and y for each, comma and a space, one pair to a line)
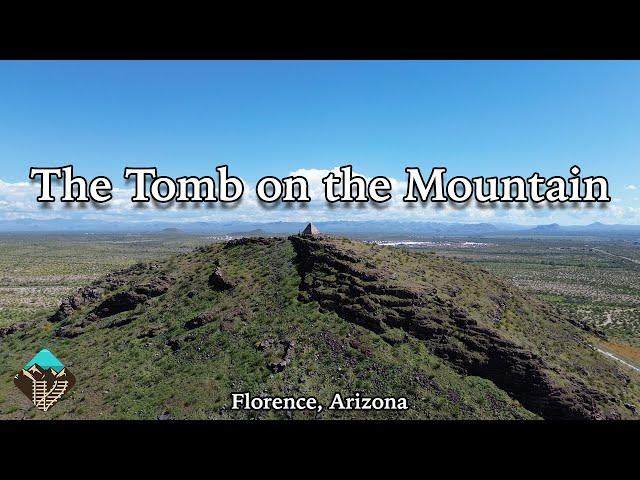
626, 351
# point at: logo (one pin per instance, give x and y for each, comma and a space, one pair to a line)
44, 380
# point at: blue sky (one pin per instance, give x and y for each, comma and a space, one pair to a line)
273, 118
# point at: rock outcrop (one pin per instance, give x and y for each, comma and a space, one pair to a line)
248, 241
15, 327
219, 281
120, 302
130, 299
343, 283
82, 297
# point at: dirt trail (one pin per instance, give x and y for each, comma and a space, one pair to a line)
604, 252
608, 353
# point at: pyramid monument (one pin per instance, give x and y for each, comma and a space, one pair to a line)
311, 229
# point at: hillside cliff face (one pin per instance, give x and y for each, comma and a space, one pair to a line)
466, 317
312, 316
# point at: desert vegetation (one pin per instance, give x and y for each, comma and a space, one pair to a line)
185, 320
37, 271
593, 279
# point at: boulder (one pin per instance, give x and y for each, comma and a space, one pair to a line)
120, 302
174, 344
199, 320
219, 281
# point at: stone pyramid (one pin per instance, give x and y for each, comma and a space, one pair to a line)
311, 230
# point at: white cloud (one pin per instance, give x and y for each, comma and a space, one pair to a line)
631, 187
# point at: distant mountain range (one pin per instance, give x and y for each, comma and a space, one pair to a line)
381, 228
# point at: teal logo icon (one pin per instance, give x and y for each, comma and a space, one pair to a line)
44, 380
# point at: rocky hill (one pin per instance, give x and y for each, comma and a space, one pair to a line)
312, 316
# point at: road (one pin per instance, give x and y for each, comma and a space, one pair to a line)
616, 357
604, 252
